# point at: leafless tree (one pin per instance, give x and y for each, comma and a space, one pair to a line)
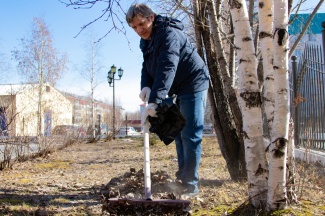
112, 13
38, 60
91, 69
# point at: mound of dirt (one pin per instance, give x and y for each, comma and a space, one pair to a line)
124, 195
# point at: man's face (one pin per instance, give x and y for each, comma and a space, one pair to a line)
142, 26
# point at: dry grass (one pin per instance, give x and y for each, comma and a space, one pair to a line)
70, 181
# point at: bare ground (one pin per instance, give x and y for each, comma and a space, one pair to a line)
75, 181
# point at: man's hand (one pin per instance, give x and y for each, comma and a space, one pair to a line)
144, 94
150, 110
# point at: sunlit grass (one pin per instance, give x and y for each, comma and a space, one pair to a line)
53, 165
60, 200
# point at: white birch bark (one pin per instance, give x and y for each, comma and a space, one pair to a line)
291, 166
265, 13
250, 104
214, 10
277, 198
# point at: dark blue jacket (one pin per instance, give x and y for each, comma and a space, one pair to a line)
171, 64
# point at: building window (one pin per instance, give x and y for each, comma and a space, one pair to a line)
47, 88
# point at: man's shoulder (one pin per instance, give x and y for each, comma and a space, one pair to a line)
163, 22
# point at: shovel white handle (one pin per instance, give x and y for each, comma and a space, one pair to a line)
147, 178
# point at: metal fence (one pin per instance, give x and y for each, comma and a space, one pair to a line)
308, 98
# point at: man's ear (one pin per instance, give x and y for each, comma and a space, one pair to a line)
152, 17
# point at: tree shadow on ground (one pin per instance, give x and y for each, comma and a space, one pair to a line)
45, 203
211, 182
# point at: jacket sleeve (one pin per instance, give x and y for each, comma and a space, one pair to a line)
168, 47
146, 80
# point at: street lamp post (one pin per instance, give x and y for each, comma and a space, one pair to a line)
111, 81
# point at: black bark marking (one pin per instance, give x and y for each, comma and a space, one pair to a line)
252, 99
280, 145
264, 34
270, 120
246, 39
281, 33
277, 153
275, 67
235, 4
260, 170
283, 91
261, 4
269, 78
243, 60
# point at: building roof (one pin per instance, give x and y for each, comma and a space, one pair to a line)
83, 99
299, 22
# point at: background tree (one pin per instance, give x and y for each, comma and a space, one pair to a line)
38, 61
90, 71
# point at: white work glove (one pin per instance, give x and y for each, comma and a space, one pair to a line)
150, 110
144, 94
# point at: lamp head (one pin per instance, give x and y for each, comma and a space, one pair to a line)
120, 72
113, 69
109, 79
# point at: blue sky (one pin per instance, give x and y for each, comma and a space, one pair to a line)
16, 18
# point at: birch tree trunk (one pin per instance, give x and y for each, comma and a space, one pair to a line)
277, 197
265, 15
250, 104
291, 166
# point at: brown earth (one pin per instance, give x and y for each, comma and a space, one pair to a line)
77, 180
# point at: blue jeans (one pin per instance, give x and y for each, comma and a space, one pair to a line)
188, 142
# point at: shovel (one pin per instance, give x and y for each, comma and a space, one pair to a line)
147, 176
148, 201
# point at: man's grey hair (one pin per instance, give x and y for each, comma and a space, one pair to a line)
138, 9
